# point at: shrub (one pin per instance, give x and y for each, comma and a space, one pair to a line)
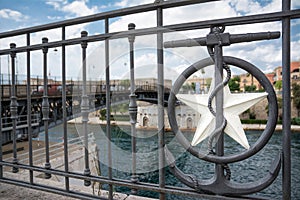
296, 121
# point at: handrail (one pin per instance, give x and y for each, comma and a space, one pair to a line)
241, 20
104, 15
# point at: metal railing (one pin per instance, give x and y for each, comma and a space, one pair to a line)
84, 39
21, 122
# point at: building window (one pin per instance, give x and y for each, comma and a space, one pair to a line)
295, 77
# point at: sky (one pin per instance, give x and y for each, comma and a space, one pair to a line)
17, 14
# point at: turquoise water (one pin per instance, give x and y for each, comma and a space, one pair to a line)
245, 171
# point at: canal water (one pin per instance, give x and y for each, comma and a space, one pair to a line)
249, 170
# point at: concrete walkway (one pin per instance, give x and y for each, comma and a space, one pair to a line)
12, 192
76, 162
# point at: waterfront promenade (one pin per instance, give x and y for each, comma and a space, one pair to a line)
256, 127
14, 192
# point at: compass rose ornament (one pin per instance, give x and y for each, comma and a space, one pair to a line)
219, 110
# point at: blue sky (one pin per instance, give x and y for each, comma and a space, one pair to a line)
26, 13
16, 14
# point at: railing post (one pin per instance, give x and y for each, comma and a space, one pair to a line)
160, 103
64, 100
132, 107
28, 86
1, 139
286, 102
85, 109
108, 99
45, 107
14, 106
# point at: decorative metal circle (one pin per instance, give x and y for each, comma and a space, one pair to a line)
272, 114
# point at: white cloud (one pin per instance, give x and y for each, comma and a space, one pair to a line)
295, 4
141, 20
198, 13
12, 14
127, 3
265, 55
79, 8
57, 4
53, 17
76, 8
243, 7
123, 3
295, 46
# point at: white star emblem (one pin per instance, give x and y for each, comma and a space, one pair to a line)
234, 105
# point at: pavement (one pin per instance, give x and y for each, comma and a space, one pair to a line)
13, 192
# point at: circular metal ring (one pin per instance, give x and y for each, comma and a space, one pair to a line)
272, 114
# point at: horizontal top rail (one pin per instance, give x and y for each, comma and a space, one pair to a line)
241, 20
228, 39
105, 15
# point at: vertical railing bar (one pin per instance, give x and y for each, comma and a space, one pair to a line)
160, 103
64, 99
286, 102
45, 108
108, 128
85, 110
14, 106
29, 111
132, 107
1, 139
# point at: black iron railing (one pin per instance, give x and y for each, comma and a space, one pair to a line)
214, 45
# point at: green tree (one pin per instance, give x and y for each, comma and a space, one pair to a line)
296, 95
102, 113
250, 88
193, 85
234, 84
278, 85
